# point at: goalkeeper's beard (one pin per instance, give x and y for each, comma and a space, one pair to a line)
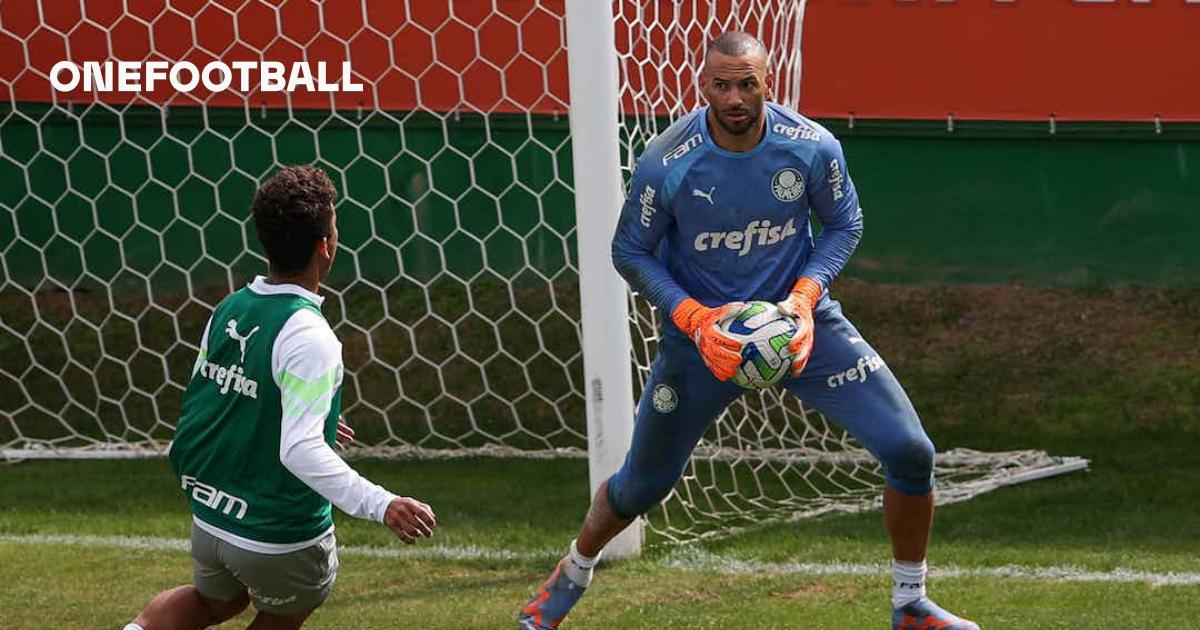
740, 128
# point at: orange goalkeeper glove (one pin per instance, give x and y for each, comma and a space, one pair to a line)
799, 305
721, 354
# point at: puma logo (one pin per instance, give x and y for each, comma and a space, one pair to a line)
696, 192
232, 331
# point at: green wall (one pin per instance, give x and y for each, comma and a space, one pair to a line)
1089, 205
420, 196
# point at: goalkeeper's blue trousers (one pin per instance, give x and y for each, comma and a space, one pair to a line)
845, 380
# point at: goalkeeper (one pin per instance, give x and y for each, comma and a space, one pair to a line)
723, 196
253, 448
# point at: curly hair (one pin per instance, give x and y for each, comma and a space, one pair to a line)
293, 210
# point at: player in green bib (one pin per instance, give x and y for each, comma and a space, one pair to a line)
253, 450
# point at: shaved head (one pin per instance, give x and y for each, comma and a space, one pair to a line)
737, 44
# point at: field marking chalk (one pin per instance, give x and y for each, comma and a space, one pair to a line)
684, 560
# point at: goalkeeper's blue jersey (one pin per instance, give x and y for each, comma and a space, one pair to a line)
721, 226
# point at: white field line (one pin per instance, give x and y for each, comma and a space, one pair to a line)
695, 560
686, 560
420, 552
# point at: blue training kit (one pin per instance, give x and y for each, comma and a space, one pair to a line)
734, 226
720, 226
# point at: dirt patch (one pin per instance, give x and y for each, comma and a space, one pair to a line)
819, 590
1116, 327
808, 591
692, 595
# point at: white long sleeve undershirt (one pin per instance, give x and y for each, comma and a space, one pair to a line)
307, 349
306, 363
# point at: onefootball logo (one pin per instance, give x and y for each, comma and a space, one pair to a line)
185, 76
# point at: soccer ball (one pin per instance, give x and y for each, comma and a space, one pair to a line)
764, 333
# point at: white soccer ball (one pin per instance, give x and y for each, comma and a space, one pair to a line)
764, 333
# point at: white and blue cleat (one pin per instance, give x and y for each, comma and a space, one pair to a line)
552, 602
923, 614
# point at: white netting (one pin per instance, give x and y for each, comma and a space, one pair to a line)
455, 294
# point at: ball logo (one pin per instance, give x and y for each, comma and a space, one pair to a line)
664, 398
787, 185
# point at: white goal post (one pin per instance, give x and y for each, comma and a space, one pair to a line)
599, 193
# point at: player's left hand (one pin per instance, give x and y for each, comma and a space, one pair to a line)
345, 435
799, 306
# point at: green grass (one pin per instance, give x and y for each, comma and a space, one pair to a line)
380, 593
1111, 375
1065, 521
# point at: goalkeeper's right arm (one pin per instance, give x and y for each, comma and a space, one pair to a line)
644, 220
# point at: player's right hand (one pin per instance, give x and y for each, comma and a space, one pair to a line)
721, 354
409, 519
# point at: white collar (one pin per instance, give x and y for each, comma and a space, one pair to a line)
260, 286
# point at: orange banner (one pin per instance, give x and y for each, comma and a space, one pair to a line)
431, 54
906, 59
1002, 60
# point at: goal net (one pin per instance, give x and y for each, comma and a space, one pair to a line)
456, 291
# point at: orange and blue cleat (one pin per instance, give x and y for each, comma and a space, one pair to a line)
923, 614
552, 602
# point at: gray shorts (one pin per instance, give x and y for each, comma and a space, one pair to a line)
281, 584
